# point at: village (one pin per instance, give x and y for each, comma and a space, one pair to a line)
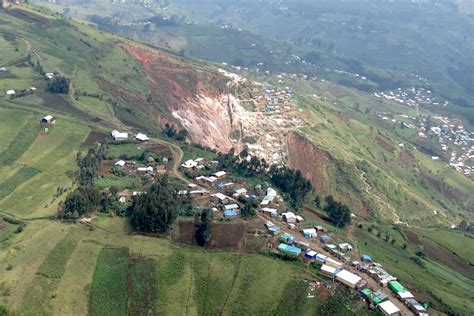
291, 236
456, 144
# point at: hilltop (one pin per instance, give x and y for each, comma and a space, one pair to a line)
363, 150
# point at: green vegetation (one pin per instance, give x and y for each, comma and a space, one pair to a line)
10, 184
59, 84
19, 144
120, 183
156, 211
108, 294
142, 285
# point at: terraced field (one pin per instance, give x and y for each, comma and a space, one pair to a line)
69, 269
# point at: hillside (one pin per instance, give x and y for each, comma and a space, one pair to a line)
337, 137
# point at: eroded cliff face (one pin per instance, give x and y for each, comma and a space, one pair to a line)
309, 159
327, 175
194, 96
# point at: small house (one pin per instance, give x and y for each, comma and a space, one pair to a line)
269, 211
321, 258
231, 207
289, 217
221, 197
329, 247
287, 238
49, 75
219, 174
321, 229
11, 92
240, 192
309, 233
118, 136
311, 254
48, 119
122, 199
189, 164
299, 218
142, 137
120, 163
345, 246
396, 287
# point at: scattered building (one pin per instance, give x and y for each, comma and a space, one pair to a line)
48, 119
142, 137
118, 136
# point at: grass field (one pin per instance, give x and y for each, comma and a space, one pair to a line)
108, 295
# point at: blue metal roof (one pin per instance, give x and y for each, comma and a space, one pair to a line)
230, 213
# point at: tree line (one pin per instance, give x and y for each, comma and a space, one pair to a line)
86, 198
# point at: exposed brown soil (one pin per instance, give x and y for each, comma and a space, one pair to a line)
223, 237
441, 254
94, 137
194, 96
105, 169
312, 162
384, 144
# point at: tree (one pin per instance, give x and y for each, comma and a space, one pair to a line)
317, 201
203, 233
248, 210
156, 211
82, 201
59, 85
339, 213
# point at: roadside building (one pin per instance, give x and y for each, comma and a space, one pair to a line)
416, 307
348, 278
396, 287
311, 254
333, 263
325, 238
328, 270
289, 250
309, 233
389, 309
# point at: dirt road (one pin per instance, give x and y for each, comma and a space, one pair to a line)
315, 244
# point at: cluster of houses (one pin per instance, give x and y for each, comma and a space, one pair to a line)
451, 136
21, 93
123, 136
413, 96
335, 268
278, 99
